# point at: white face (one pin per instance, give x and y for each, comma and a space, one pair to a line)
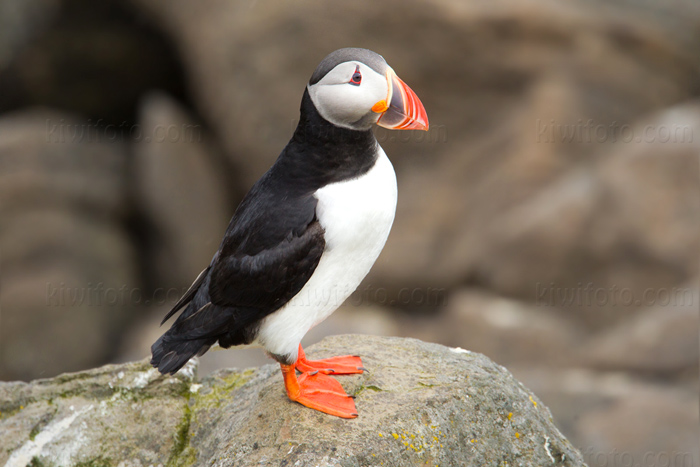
343, 102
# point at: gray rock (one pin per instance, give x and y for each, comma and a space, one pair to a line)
19, 21
507, 331
68, 265
419, 403
118, 59
620, 223
181, 192
615, 418
660, 340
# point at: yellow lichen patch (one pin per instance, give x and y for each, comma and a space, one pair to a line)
220, 393
534, 402
472, 441
413, 436
403, 436
517, 435
381, 435
395, 435
510, 415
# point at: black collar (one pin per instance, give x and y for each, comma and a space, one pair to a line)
321, 153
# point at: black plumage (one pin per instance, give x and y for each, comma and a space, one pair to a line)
272, 245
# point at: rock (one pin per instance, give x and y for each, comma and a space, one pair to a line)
599, 236
507, 331
19, 22
621, 425
653, 190
51, 158
68, 265
615, 418
94, 59
418, 403
105, 416
181, 192
660, 340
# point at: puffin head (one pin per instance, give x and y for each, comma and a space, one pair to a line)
355, 88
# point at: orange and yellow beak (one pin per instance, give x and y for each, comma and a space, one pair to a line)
402, 110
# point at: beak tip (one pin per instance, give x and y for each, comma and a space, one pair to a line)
420, 122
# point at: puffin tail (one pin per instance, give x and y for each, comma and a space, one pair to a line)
170, 353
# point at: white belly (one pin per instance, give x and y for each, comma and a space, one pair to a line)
356, 216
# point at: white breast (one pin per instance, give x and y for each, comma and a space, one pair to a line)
356, 216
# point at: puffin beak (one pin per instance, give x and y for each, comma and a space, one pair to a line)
402, 110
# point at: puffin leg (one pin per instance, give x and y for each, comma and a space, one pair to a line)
345, 365
318, 391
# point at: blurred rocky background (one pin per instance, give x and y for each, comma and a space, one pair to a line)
550, 219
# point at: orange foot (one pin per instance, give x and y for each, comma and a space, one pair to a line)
346, 365
318, 391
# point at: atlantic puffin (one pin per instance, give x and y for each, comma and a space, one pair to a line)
306, 233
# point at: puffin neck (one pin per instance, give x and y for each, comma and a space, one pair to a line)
320, 152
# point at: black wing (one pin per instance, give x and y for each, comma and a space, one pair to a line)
270, 251
270, 278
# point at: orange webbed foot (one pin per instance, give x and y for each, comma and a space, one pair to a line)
318, 391
345, 365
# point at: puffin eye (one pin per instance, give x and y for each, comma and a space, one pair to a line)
356, 77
